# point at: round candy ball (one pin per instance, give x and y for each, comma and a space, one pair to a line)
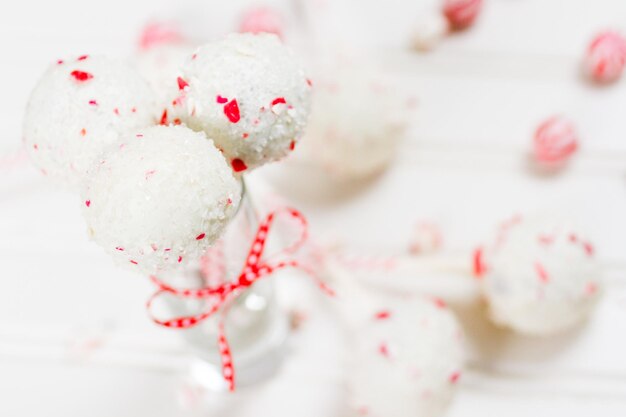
606, 57
79, 107
159, 198
248, 93
356, 125
539, 276
555, 140
408, 359
461, 13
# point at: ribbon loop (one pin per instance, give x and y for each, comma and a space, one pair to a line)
218, 295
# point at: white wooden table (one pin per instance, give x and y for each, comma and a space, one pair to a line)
72, 344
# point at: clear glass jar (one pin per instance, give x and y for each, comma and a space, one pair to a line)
254, 325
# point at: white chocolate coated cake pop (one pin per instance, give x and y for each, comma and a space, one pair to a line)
409, 357
79, 107
539, 276
357, 122
248, 93
159, 198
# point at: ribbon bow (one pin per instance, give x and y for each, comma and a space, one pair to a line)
255, 268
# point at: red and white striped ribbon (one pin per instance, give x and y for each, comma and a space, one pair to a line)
219, 296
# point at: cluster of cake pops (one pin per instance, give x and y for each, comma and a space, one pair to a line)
158, 162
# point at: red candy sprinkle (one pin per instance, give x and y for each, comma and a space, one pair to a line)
119, 248
93, 102
81, 75
180, 259
182, 83
309, 82
83, 132
200, 236
439, 302
221, 100
454, 377
83, 57
245, 136
383, 349
59, 62
292, 145
541, 272
382, 315
88, 203
163, 118
278, 100
478, 266
231, 110
238, 165
133, 262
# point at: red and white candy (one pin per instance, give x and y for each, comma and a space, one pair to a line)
555, 140
539, 276
408, 359
261, 19
80, 106
249, 94
159, 198
461, 13
606, 57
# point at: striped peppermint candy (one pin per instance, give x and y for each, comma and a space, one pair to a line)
461, 13
606, 57
555, 140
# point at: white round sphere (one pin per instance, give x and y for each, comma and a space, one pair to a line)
248, 93
356, 125
539, 276
78, 108
409, 357
159, 198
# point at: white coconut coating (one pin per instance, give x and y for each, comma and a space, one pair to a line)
409, 357
79, 107
357, 122
159, 198
248, 93
539, 276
